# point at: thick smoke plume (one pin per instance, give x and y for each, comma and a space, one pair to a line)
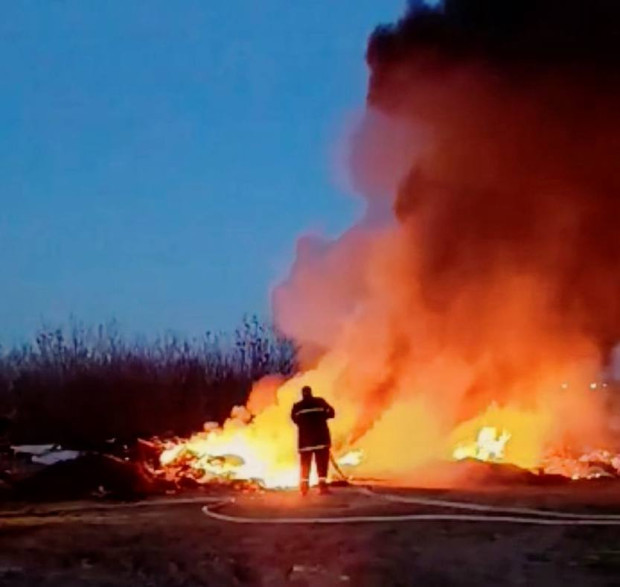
485, 271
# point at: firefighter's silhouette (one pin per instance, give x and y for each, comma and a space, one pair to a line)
314, 440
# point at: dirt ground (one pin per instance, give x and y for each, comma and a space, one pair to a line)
173, 543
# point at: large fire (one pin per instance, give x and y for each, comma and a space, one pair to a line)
467, 311
260, 448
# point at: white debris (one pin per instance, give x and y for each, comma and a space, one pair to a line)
33, 449
46, 454
56, 456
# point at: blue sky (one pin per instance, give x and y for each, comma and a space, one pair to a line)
158, 159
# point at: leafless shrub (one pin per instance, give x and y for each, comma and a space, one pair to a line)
80, 386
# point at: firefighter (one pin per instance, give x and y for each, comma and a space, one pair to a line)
311, 415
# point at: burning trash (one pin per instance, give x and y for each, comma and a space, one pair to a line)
219, 456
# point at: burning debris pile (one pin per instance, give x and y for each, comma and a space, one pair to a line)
231, 456
484, 272
237, 454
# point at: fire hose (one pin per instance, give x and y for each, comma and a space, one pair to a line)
511, 514
481, 513
211, 512
211, 507
336, 466
476, 507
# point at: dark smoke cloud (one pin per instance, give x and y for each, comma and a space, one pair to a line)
522, 98
535, 33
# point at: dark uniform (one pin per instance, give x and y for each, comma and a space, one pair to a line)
314, 440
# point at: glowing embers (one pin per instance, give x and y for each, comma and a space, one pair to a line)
490, 446
590, 465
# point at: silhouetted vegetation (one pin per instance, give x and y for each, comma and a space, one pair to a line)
80, 386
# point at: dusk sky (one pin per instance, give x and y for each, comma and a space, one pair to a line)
159, 159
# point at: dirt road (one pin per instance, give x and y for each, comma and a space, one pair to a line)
175, 544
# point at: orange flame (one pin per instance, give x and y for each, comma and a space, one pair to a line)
262, 447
